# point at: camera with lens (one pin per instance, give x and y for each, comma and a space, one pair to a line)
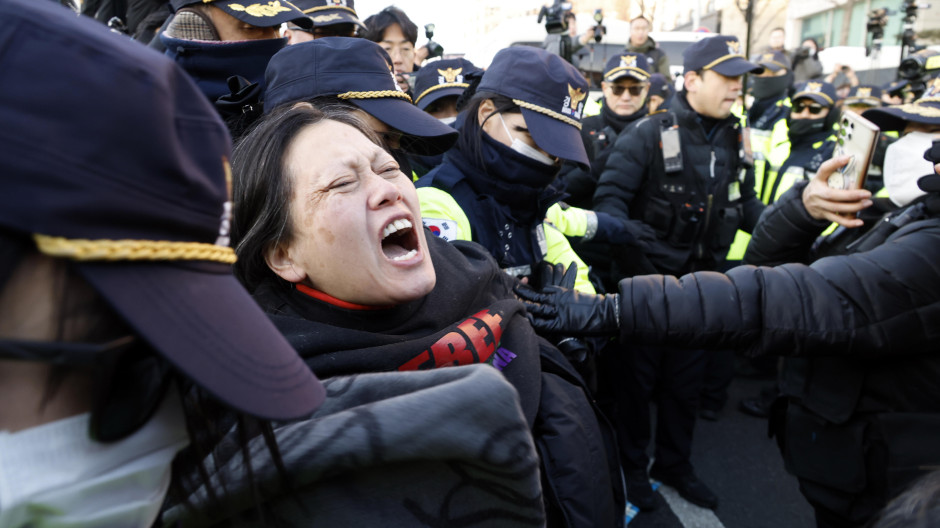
599, 29
434, 49
918, 67
554, 16
877, 19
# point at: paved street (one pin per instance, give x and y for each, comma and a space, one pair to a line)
744, 468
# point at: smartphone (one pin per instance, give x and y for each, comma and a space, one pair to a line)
857, 138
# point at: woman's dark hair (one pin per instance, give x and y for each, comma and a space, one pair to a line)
262, 187
471, 131
918, 507
379, 22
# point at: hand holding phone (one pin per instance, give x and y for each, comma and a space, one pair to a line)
857, 138
823, 202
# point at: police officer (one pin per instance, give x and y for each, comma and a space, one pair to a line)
356, 72
625, 86
330, 18
438, 88
681, 173
811, 138
495, 186
770, 107
767, 126
225, 46
661, 92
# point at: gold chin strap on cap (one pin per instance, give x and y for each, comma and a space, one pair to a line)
719, 60
439, 86
134, 250
549, 113
375, 95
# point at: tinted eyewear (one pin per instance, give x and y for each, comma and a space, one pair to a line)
814, 109
635, 91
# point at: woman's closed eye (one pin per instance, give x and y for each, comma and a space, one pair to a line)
343, 183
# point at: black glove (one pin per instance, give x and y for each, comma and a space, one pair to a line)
561, 310
557, 276
618, 231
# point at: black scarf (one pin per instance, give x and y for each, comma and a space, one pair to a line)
520, 182
619, 122
471, 316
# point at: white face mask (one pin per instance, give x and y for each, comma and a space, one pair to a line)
524, 148
448, 120
55, 475
904, 165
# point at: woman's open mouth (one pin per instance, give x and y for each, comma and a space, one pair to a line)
399, 240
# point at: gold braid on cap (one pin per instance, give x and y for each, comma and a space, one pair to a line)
719, 60
375, 95
439, 86
549, 113
807, 94
640, 71
920, 110
320, 8
114, 250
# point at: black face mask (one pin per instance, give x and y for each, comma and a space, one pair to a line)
799, 128
768, 87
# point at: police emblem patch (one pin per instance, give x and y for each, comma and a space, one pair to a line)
261, 10
573, 102
450, 75
628, 61
734, 47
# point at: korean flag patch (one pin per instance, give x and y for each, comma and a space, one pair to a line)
442, 227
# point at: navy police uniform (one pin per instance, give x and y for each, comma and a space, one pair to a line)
695, 209
499, 197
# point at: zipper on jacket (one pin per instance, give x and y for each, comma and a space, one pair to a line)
711, 166
708, 216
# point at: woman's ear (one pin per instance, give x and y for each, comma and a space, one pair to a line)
277, 257
485, 109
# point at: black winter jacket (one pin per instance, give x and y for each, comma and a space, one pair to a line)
864, 327
881, 302
696, 212
598, 133
471, 316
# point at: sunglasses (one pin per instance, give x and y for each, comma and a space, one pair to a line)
814, 109
635, 91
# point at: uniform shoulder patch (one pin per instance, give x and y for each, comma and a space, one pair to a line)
442, 227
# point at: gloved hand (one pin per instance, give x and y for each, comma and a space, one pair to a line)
555, 275
623, 232
560, 310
